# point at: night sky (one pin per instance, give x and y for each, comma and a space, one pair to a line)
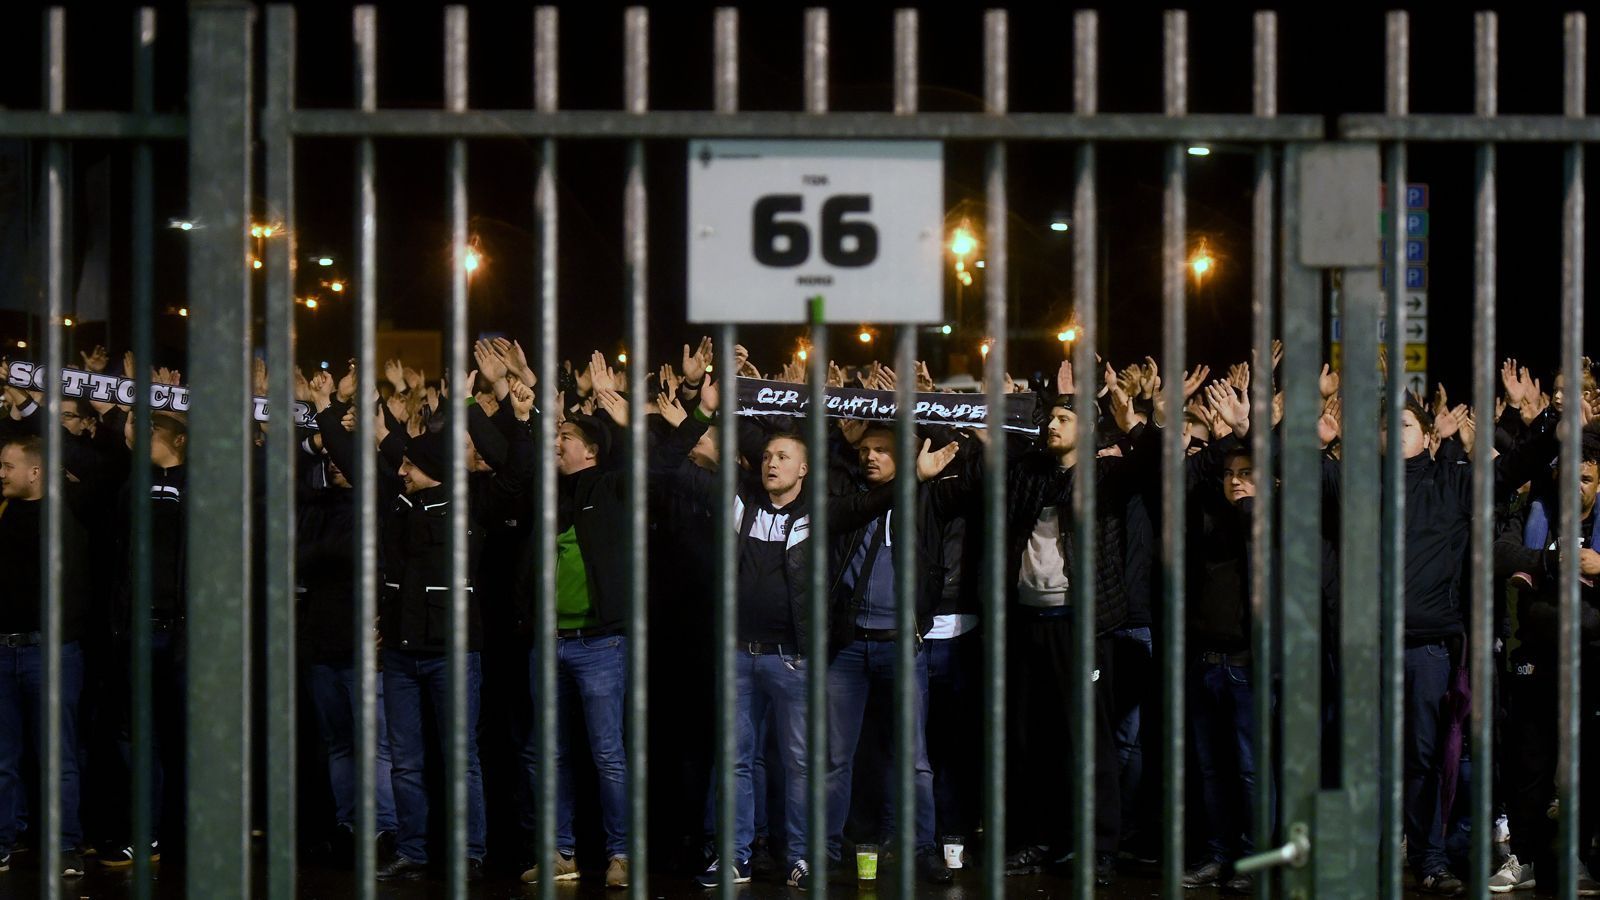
1331, 63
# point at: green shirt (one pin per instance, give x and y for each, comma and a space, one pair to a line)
573, 609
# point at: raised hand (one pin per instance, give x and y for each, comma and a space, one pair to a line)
258, 377
1064, 380
886, 379
521, 396
490, 365
671, 409
931, 462
615, 405
302, 388
1122, 411
1277, 352
924, 377
515, 361
1239, 376
1192, 381
1328, 382
347, 384
710, 397
96, 360
853, 430
1232, 406
394, 372
600, 374
835, 375
128, 370
1441, 400
1331, 424
694, 364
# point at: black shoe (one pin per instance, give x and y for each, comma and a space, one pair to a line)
1029, 860
1240, 884
1105, 869
474, 871
1207, 874
1442, 881
402, 869
931, 869
800, 876
386, 842
72, 865
342, 846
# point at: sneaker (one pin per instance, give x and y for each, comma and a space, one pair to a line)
1513, 876
402, 869
5, 862
1207, 874
566, 869
712, 876
1105, 870
72, 865
122, 858
931, 869
1029, 860
617, 872
386, 844
800, 875
1587, 886
1442, 881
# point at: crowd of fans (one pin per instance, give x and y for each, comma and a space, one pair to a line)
771, 513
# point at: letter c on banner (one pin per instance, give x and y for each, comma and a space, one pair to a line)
160, 396
766, 395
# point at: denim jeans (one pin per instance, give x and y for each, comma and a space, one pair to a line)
21, 721
769, 700
762, 767
850, 679
955, 695
336, 693
408, 678
592, 673
1427, 671
169, 698
1222, 719
1134, 662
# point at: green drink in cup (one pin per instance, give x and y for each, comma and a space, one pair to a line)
867, 862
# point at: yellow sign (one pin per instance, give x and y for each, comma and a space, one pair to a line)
1416, 357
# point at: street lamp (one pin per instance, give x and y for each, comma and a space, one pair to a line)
1201, 261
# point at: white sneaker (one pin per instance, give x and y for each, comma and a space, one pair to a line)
1513, 876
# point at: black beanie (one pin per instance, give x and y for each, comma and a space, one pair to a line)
594, 432
430, 453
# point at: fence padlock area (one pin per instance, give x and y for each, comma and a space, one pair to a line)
524, 587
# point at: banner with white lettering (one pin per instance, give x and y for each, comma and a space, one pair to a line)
109, 388
777, 398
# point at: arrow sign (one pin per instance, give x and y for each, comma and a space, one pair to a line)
1416, 304
1417, 331
1416, 357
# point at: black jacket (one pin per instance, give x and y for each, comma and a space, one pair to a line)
415, 595
21, 535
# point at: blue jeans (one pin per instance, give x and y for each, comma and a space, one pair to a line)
21, 706
955, 691
336, 693
169, 699
1222, 719
769, 693
593, 673
1427, 677
761, 767
850, 679
407, 678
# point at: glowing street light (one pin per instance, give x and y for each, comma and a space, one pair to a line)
22, 345
983, 349
1067, 335
67, 321
803, 355
1201, 262
180, 224
183, 311
622, 358
1060, 225
324, 260
865, 336
336, 286
962, 241
944, 329
471, 259
311, 303
255, 263
1200, 150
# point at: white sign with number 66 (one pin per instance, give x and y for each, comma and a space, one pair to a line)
774, 223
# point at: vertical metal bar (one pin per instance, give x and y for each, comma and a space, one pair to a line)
726, 88
50, 541
905, 516
1480, 628
1262, 607
1301, 543
1568, 793
636, 87
996, 101
546, 209
456, 336
1397, 64
1085, 491
281, 452
1173, 490
220, 446
365, 32
143, 283
816, 102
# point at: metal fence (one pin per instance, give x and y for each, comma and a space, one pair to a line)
1301, 231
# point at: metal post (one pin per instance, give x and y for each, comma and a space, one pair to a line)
820, 540
282, 452
1568, 793
1397, 101
726, 87
365, 32
1480, 627
1263, 609
219, 646
50, 542
996, 99
463, 726
1173, 470
905, 516
636, 87
546, 209
1085, 490
143, 288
